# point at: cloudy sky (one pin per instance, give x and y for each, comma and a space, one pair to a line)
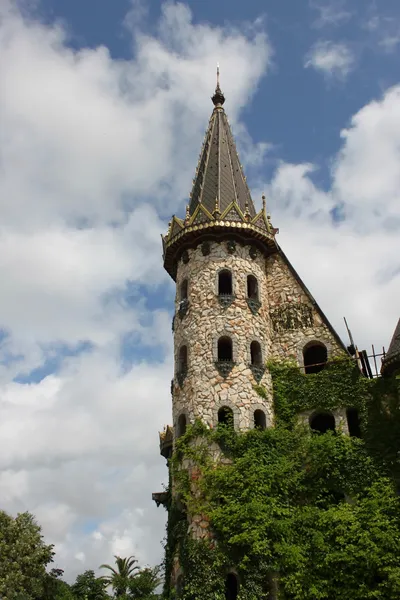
103, 107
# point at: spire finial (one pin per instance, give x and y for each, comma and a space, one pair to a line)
218, 98
263, 201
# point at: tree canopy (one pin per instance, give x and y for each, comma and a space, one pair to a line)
23, 558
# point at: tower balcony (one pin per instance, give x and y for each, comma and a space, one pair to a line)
181, 375
166, 441
224, 367
258, 371
226, 300
254, 305
160, 498
183, 308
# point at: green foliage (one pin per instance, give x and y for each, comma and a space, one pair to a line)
55, 588
340, 384
89, 587
23, 558
121, 576
317, 512
143, 584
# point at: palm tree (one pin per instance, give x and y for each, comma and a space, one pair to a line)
120, 576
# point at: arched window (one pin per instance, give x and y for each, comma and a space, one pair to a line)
353, 422
181, 428
322, 421
225, 283
315, 356
183, 290
255, 354
252, 287
225, 349
225, 416
183, 359
260, 420
231, 587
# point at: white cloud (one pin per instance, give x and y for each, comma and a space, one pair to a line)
331, 13
384, 30
352, 266
96, 154
333, 60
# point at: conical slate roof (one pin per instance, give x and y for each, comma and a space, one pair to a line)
392, 359
219, 177
220, 202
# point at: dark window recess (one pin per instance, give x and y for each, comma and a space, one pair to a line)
256, 364
231, 587
252, 287
225, 416
225, 349
184, 290
183, 354
315, 357
225, 283
255, 353
322, 422
333, 496
182, 365
181, 425
353, 422
260, 421
179, 586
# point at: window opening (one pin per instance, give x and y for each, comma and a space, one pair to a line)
184, 290
225, 349
231, 587
353, 422
181, 425
225, 283
252, 287
255, 354
260, 421
322, 422
183, 359
315, 357
225, 416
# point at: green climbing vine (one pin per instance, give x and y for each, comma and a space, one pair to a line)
298, 516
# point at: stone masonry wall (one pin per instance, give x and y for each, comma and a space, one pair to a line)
295, 321
204, 390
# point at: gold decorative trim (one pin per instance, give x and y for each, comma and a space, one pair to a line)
268, 235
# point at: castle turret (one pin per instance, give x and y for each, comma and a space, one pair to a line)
217, 257
239, 302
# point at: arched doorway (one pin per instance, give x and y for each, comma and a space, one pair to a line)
322, 421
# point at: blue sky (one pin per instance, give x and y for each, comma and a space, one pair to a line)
296, 109
103, 107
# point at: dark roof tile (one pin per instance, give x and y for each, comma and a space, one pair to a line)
219, 178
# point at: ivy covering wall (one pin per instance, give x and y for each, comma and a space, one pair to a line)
294, 515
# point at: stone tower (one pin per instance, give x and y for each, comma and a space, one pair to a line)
238, 300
